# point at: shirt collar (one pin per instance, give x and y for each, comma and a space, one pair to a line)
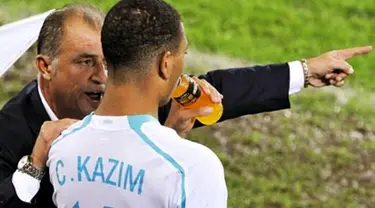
50, 113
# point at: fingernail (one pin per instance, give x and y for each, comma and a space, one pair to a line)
351, 71
207, 110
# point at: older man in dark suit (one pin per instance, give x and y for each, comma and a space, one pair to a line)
71, 80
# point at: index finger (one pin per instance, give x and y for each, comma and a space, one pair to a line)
203, 85
350, 52
210, 90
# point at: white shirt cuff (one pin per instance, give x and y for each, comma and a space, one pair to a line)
296, 77
25, 185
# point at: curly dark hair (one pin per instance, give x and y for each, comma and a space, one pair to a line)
135, 32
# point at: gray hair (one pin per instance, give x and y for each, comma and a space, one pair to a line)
52, 31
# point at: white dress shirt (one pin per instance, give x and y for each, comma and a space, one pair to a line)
27, 187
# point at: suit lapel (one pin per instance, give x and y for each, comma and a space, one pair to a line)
35, 112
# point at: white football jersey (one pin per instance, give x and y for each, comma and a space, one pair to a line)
133, 162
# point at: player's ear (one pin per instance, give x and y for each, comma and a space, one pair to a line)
165, 65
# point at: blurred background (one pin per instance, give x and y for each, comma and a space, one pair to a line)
321, 152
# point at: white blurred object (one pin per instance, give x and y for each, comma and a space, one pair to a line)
17, 37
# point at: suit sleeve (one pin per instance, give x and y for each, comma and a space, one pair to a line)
248, 90
7, 191
8, 166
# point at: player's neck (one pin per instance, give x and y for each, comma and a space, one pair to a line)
127, 100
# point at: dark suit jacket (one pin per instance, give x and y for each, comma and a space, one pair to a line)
246, 91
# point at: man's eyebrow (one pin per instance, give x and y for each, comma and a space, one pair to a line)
85, 55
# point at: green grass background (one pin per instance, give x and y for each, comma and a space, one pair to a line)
321, 153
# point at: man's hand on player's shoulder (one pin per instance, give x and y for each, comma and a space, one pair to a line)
49, 131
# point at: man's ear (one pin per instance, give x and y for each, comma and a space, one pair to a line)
165, 65
43, 63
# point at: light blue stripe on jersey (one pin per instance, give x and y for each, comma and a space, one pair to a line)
84, 123
135, 123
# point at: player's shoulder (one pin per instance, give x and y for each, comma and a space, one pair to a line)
155, 130
201, 156
187, 152
72, 130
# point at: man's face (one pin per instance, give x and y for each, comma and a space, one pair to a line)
79, 77
177, 67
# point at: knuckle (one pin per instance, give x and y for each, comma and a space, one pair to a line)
333, 53
183, 117
332, 65
47, 123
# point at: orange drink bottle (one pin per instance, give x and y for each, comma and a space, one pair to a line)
189, 94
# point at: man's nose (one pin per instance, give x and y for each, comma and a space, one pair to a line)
100, 75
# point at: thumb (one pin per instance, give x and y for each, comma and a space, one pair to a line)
343, 66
